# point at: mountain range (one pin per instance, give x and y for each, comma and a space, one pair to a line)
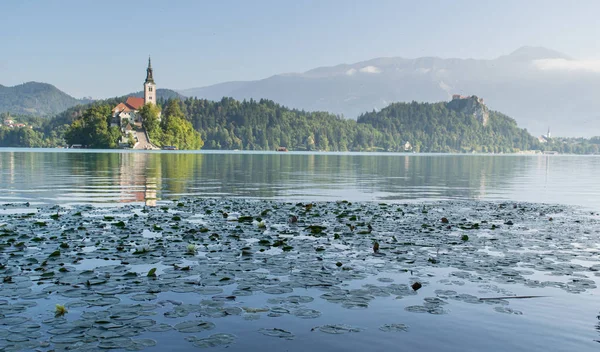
540, 88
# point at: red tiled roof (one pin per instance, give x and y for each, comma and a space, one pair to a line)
120, 107
135, 103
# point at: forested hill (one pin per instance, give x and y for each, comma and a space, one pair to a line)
438, 127
36, 99
265, 125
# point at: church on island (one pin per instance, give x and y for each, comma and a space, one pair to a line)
126, 115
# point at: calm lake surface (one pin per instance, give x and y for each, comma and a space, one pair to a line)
78, 177
302, 293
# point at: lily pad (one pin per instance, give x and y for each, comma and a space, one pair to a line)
213, 340
194, 326
276, 332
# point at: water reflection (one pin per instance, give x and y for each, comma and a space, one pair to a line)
118, 177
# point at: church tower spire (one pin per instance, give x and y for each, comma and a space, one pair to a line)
149, 85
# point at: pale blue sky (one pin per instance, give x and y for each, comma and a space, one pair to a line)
100, 48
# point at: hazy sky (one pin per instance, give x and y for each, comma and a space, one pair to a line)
100, 48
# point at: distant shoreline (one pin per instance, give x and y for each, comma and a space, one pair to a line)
291, 152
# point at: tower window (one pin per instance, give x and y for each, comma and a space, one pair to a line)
150, 98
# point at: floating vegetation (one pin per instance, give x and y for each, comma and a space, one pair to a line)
212, 340
307, 313
276, 332
336, 329
155, 271
394, 328
194, 326
60, 310
151, 272
191, 249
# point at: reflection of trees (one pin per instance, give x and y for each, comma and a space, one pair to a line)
280, 174
424, 176
399, 176
145, 177
178, 171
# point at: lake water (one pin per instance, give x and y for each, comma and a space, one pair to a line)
314, 283
75, 177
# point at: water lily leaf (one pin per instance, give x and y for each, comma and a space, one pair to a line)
276, 332
194, 326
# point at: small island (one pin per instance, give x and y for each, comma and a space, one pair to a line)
137, 123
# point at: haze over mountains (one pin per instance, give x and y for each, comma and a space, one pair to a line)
539, 87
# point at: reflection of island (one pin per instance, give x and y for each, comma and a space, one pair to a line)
138, 180
336, 176
145, 177
111, 177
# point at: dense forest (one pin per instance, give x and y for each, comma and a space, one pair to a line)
438, 128
265, 125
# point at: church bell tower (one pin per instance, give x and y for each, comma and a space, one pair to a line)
149, 86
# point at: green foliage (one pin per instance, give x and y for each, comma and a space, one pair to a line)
265, 125
150, 113
130, 140
191, 249
438, 128
151, 273
574, 145
33, 135
60, 310
175, 129
22, 137
93, 129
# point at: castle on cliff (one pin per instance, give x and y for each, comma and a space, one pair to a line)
470, 105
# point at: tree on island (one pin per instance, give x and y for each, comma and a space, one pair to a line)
150, 117
93, 129
173, 130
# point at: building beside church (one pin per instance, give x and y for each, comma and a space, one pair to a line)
126, 113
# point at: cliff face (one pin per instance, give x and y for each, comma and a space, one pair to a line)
470, 105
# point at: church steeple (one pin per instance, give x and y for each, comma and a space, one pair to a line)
149, 77
149, 85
